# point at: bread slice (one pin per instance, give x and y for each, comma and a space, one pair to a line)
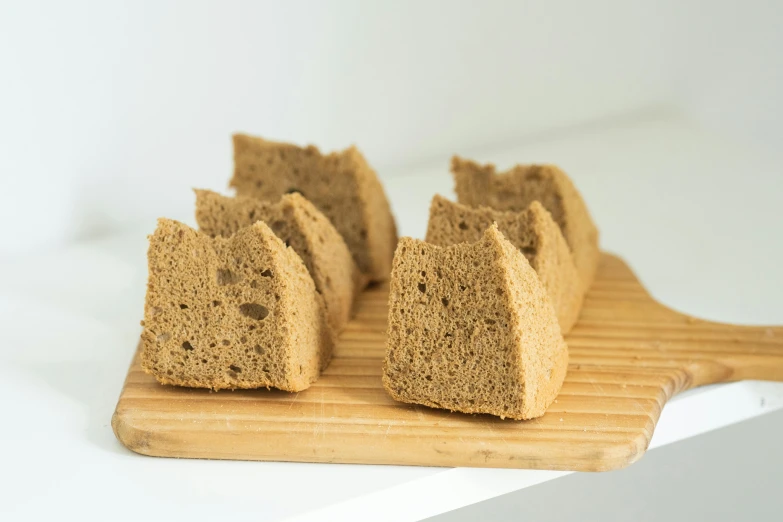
231, 313
341, 185
532, 232
518, 187
299, 224
471, 329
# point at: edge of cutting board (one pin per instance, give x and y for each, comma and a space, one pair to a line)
628, 356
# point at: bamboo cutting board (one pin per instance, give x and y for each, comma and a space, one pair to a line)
628, 356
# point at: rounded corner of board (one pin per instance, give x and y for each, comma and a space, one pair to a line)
622, 455
132, 437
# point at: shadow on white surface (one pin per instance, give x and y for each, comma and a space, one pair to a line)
720, 476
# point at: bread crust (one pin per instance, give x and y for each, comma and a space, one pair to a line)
471, 329
342, 185
304, 228
532, 231
518, 187
238, 312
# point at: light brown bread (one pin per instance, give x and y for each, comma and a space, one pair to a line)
231, 313
518, 187
532, 231
471, 329
342, 185
301, 226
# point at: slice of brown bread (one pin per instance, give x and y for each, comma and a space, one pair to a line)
532, 231
471, 329
299, 224
342, 185
231, 313
518, 187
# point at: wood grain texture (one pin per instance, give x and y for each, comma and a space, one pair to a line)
628, 356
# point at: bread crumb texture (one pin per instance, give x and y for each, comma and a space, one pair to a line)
237, 312
471, 329
531, 231
299, 225
342, 185
516, 188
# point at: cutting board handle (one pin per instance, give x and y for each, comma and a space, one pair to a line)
745, 352
711, 352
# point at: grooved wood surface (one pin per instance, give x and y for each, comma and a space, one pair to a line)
628, 356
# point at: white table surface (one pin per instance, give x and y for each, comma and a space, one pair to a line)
697, 217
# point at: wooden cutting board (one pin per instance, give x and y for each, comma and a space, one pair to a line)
628, 356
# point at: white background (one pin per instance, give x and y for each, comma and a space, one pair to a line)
667, 114
111, 111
